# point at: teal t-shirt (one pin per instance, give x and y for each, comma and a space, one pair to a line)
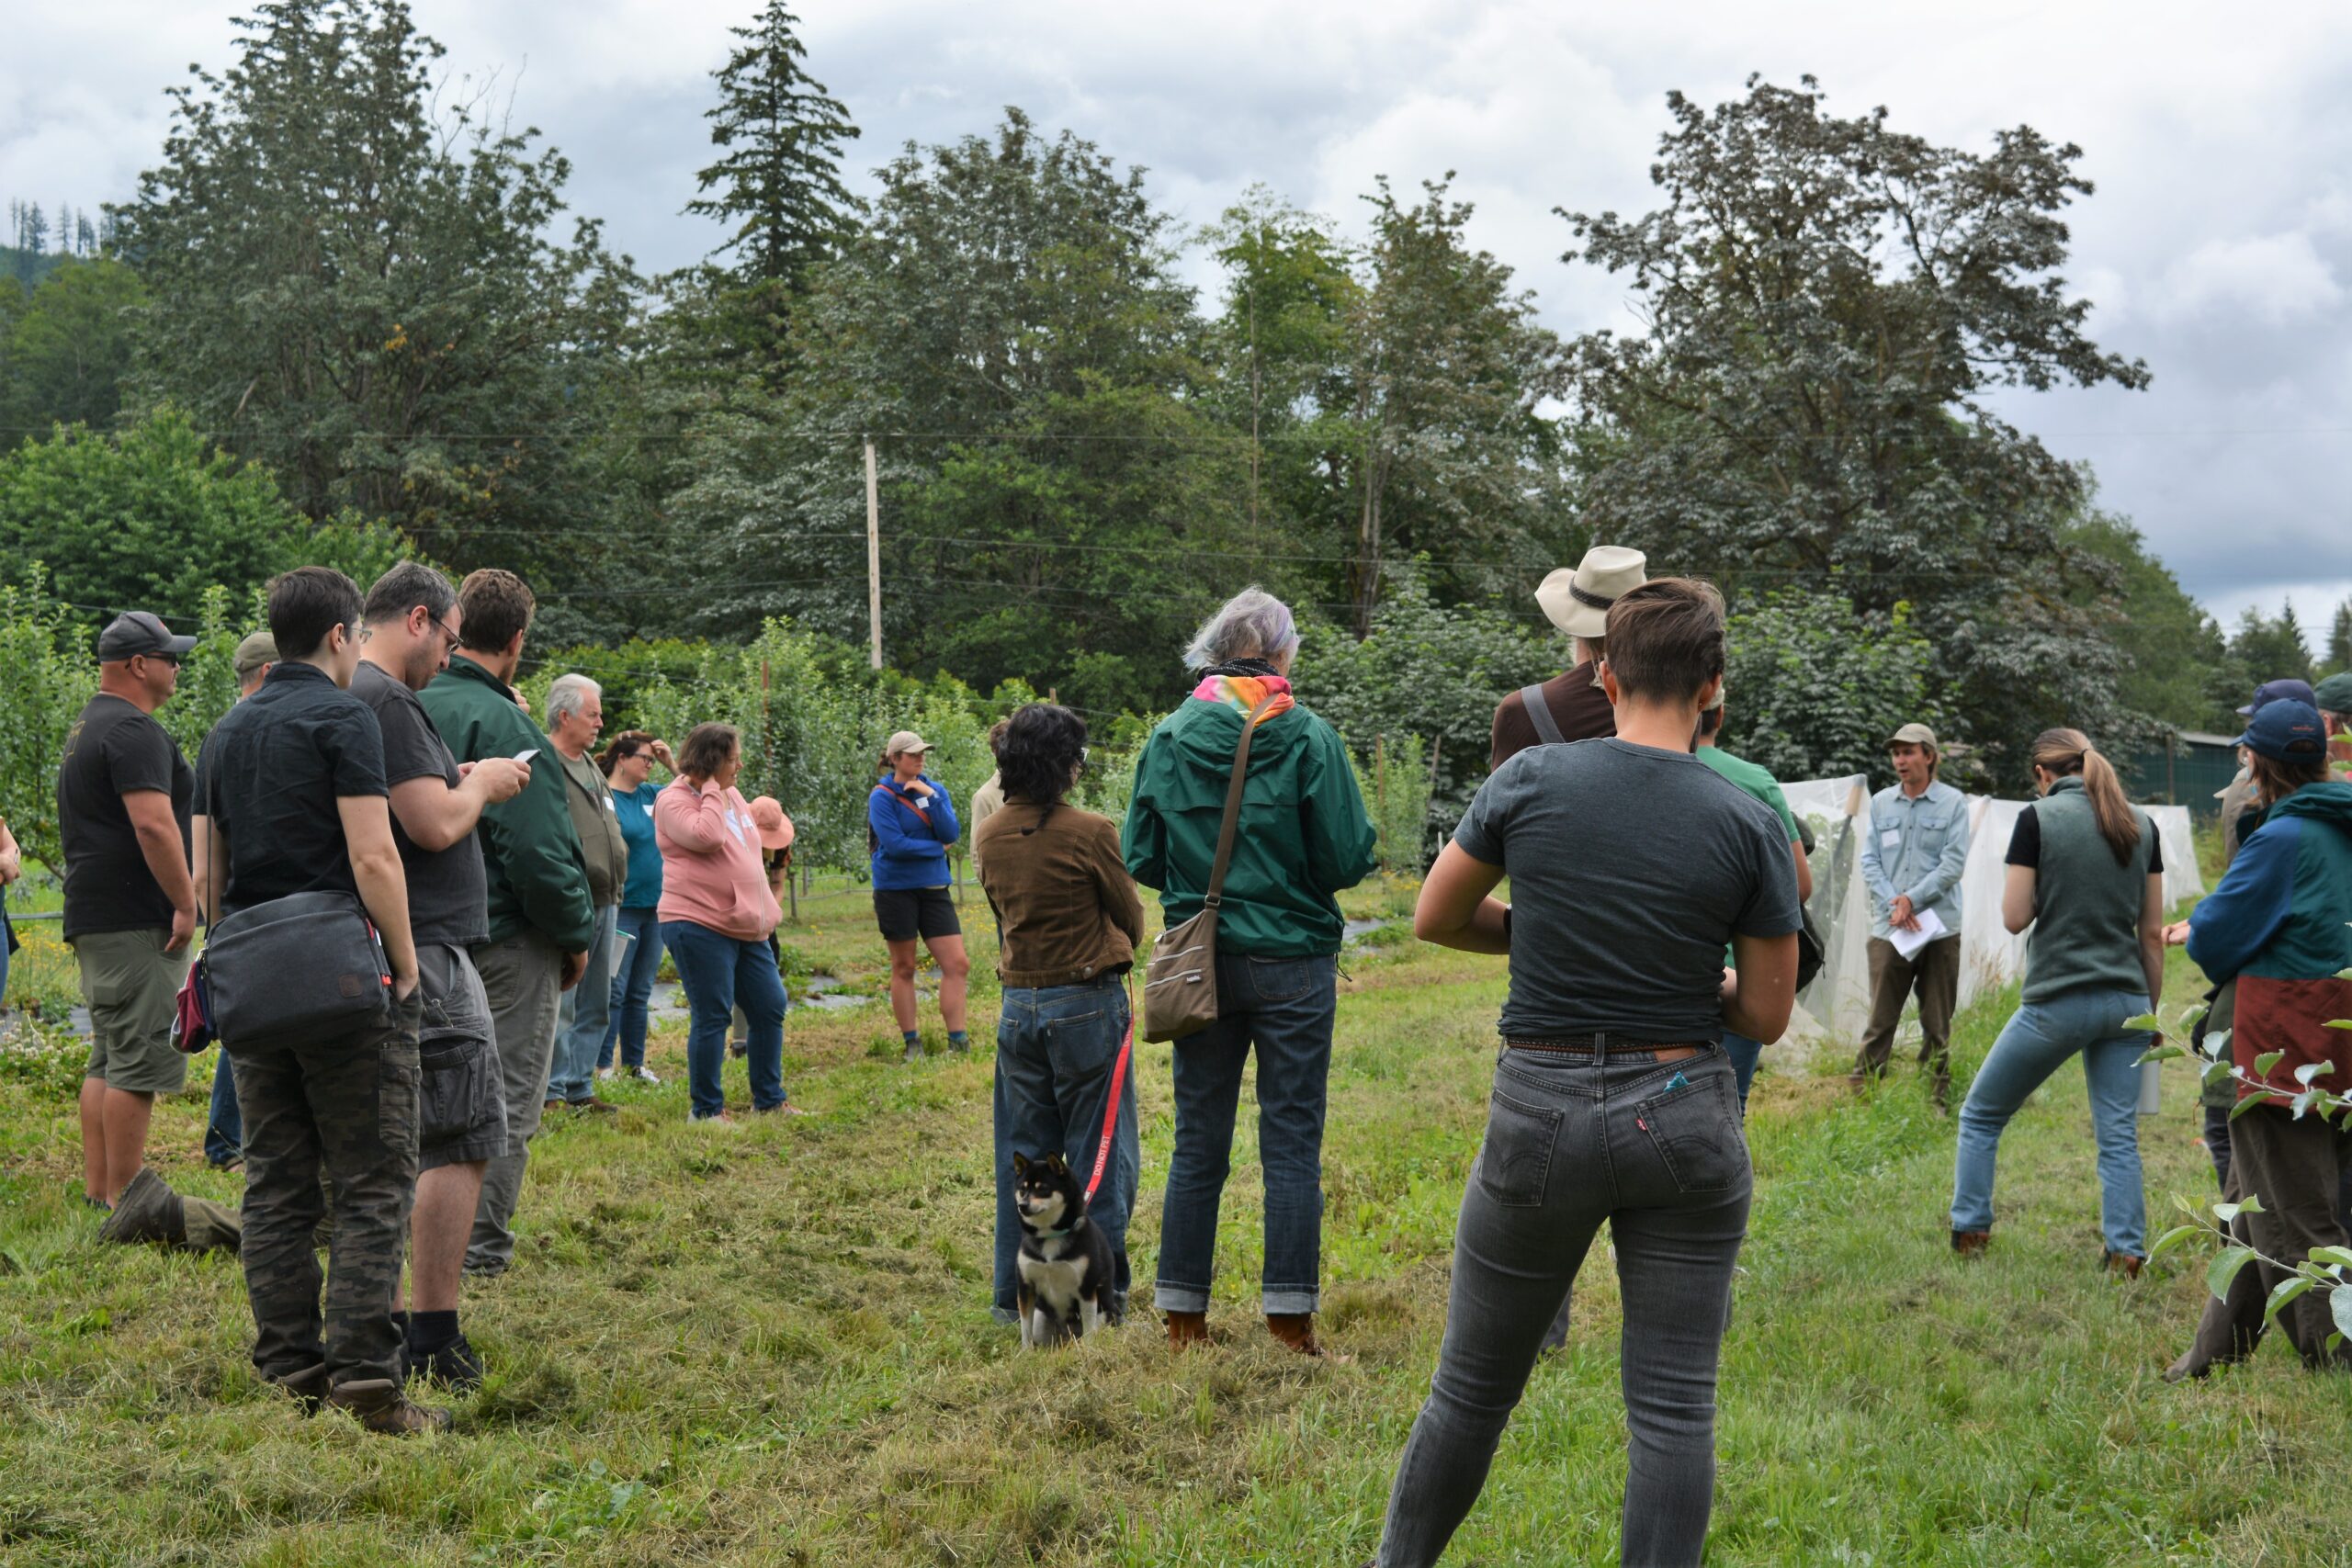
1754, 780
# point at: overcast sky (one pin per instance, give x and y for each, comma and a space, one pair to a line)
2218, 247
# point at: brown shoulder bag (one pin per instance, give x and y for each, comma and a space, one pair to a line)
1179, 985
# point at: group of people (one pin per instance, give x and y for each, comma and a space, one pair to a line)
381, 749
523, 889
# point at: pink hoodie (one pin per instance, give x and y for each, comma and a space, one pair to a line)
711, 867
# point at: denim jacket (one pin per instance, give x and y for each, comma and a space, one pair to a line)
1916, 847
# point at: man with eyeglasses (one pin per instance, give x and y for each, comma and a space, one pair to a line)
124, 793
408, 625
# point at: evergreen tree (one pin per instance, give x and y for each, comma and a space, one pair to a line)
779, 184
2339, 639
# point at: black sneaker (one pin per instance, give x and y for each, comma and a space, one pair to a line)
456, 1365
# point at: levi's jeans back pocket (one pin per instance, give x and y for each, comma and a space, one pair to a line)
1515, 1158
1694, 1127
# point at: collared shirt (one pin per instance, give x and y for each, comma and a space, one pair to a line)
1916, 847
274, 769
448, 893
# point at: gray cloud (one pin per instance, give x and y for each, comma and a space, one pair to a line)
2218, 247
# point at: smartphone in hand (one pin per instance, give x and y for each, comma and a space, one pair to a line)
526, 755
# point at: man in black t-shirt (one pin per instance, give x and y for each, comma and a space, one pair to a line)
123, 792
293, 788
409, 625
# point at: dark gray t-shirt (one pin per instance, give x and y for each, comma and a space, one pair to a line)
448, 894
1630, 869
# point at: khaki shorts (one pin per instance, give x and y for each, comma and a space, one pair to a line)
461, 1111
131, 985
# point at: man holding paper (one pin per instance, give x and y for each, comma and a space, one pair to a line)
1912, 856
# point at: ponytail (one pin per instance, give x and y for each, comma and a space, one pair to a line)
2063, 752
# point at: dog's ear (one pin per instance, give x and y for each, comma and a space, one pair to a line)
1020, 1165
1059, 1166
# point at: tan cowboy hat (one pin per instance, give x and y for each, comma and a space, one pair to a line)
1577, 602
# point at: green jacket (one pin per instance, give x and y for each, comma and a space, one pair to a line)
538, 876
1304, 834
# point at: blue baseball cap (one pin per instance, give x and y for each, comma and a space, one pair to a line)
2285, 731
2279, 691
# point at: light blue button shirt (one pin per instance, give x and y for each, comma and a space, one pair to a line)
1916, 846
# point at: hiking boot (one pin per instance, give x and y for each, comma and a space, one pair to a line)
1941, 1093
2122, 1263
601, 1107
148, 1211
1970, 1244
309, 1386
379, 1404
208, 1226
738, 1047
717, 1122
915, 1052
1187, 1328
550, 1107
456, 1365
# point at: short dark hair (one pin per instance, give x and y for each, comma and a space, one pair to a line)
1666, 638
706, 748
621, 748
308, 602
404, 588
1043, 744
497, 606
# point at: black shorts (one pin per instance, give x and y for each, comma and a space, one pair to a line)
461, 1105
906, 913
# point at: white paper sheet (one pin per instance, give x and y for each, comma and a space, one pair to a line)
1908, 944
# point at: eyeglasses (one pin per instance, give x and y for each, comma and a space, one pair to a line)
446, 631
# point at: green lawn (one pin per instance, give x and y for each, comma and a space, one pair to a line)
777, 1347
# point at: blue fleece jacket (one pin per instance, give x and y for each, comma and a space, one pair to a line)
910, 835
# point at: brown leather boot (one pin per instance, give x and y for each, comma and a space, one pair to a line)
380, 1406
1296, 1330
1186, 1329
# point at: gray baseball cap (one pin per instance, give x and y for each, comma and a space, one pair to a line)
1915, 734
130, 635
258, 649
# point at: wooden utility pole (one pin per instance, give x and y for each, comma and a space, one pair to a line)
872, 554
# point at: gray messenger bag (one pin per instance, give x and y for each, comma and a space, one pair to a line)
1180, 984
306, 968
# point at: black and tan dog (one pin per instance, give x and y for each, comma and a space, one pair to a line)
1065, 1264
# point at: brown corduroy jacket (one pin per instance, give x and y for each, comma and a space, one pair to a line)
1063, 899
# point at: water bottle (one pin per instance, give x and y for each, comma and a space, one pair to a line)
2152, 1084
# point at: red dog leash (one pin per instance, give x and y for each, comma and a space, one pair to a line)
1118, 1088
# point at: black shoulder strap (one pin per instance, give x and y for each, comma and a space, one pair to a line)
1539, 714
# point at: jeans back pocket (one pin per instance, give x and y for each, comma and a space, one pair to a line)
1515, 1159
1696, 1134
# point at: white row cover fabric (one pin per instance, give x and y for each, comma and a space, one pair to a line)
1838, 1003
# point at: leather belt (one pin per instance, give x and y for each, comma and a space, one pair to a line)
1586, 1045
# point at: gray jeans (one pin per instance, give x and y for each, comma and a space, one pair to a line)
1655, 1148
523, 977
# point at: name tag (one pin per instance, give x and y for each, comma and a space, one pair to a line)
610, 806
734, 823
1890, 839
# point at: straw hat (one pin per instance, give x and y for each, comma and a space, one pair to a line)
1577, 602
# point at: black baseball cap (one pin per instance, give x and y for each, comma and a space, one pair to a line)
136, 632
2286, 731
2278, 690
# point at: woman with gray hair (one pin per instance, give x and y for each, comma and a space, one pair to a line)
1302, 836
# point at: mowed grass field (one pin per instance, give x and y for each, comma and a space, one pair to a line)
775, 1347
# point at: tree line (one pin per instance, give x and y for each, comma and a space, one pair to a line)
349, 309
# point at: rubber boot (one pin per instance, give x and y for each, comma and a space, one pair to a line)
208, 1226
1296, 1331
380, 1406
148, 1211
1187, 1328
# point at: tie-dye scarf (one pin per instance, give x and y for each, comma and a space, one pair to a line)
1245, 693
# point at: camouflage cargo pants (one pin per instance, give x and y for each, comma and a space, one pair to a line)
347, 1109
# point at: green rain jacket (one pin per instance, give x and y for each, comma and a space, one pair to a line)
1304, 834
538, 876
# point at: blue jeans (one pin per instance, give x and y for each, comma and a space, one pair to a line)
1743, 1053
1283, 1007
1055, 1049
583, 1015
633, 987
721, 974
2035, 1044
224, 1126
1655, 1148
